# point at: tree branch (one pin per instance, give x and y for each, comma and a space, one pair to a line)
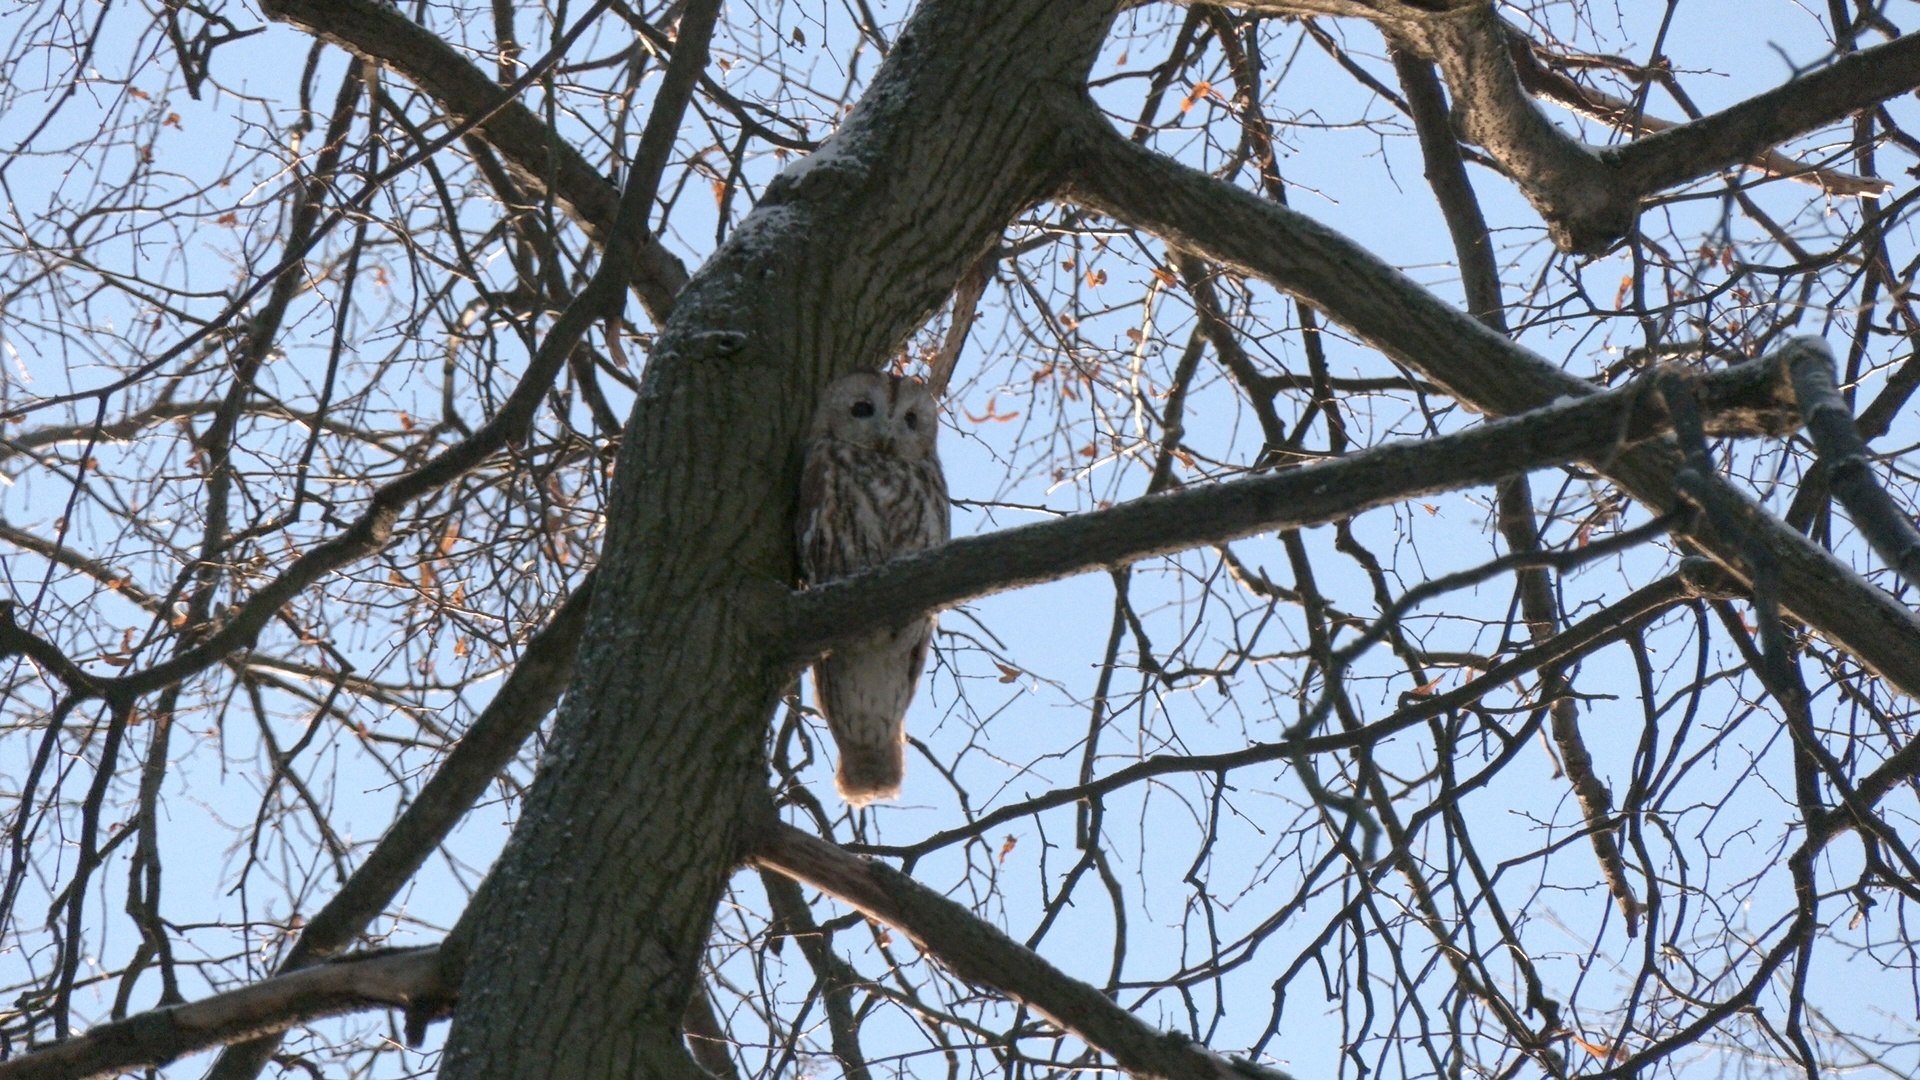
109, 576
1840, 448
835, 977
16, 640
1585, 205
1589, 197
375, 525
538, 679
122, 430
982, 955
1539, 604
352, 984
624, 253
1749, 398
1477, 365
1696, 577
491, 741
540, 160
1627, 117
1733, 135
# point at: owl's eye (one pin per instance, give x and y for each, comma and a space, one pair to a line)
862, 410
913, 420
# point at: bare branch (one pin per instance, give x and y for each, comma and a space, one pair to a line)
490, 743
352, 984
1696, 577
835, 978
1845, 456
16, 640
980, 954
1733, 135
625, 254
1480, 278
966, 306
547, 667
1622, 115
1482, 368
119, 430
1590, 198
1585, 206
383, 34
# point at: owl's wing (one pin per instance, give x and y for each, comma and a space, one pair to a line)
813, 533
928, 521
942, 508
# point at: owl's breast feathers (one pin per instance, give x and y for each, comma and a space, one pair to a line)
860, 507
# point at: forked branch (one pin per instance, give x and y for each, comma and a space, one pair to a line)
1588, 196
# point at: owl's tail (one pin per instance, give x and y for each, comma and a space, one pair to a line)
870, 773
863, 690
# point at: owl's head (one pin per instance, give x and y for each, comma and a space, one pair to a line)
879, 412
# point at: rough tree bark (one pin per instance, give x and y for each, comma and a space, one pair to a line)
654, 780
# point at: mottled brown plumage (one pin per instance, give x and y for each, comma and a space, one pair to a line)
871, 489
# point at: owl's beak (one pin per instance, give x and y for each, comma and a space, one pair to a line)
886, 444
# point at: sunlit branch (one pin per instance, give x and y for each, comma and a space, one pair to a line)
707, 1041
1585, 206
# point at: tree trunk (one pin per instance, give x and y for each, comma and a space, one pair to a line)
584, 942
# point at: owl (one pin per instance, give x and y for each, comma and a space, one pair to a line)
870, 489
